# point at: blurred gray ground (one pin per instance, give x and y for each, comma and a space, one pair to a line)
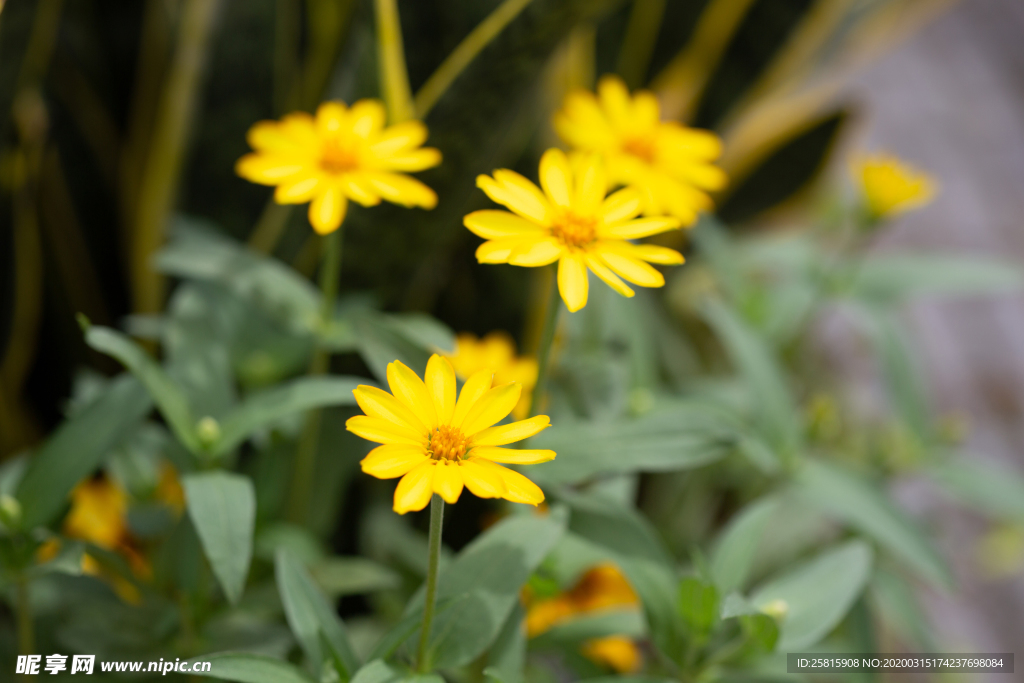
951, 100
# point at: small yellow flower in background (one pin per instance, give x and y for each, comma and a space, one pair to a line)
99, 510
571, 221
601, 588
438, 444
616, 652
341, 154
891, 187
496, 352
670, 164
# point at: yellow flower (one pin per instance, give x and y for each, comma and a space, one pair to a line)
616, 652
573, 223
891, 187
341, 154
438, 444
670, 164
601, 588
99, 508
496, 352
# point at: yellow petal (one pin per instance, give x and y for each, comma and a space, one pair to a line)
401, 136
327, 210
518, 194
514, 456
394, 460
401, 189
681, 142
518, 488
572, 282
415, 488
384, 431
615, 100
448, 480
640, 227
300, 127
410, 390
539, 252
497, 251
591, 186
491, 407
633, 270
625, 204
652, 253
596, 264
413, 160
556, 177
359, 189
491, 224
478, 384
441, 387
510, 433
366, 118
379, 403
268, 170
271, 136
330, 118
298, 191
646, 112
482, 482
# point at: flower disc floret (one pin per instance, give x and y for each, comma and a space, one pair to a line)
341, 154
439, 444
571, 219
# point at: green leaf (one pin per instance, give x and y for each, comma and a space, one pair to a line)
77, 447
843, 495
777, 413
890, 277
734, 552
761, 630
817, 594
312, 620
507, 657
249, 668
585, 627
267, 406
168, 396
674, 436
339, 576
222, 507
410, 338
483, 584
992, 489
698, 603
379, 672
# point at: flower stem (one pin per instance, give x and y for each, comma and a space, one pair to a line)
547, 336
434, 554
394, 78
305, 452
23, 607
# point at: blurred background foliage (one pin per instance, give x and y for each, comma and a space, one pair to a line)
698, 427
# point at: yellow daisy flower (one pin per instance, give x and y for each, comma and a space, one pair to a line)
341, 154
670, 164
891, 187
572, 222
496, 352
438, 444
618, 653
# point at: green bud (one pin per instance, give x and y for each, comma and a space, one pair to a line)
10, 512
208, 431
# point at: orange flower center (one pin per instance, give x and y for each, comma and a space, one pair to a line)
338, 158
446, 443
641, 147
575, 231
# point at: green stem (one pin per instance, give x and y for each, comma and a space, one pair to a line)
305, 452
394, 78
464, 53
23, 606
434, 543
547, 337
638, 44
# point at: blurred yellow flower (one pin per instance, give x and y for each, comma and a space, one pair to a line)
438, 444
341, 154
670, 164
99, 508
891, 187
601, 588
496, 352
571, 222
616, 652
